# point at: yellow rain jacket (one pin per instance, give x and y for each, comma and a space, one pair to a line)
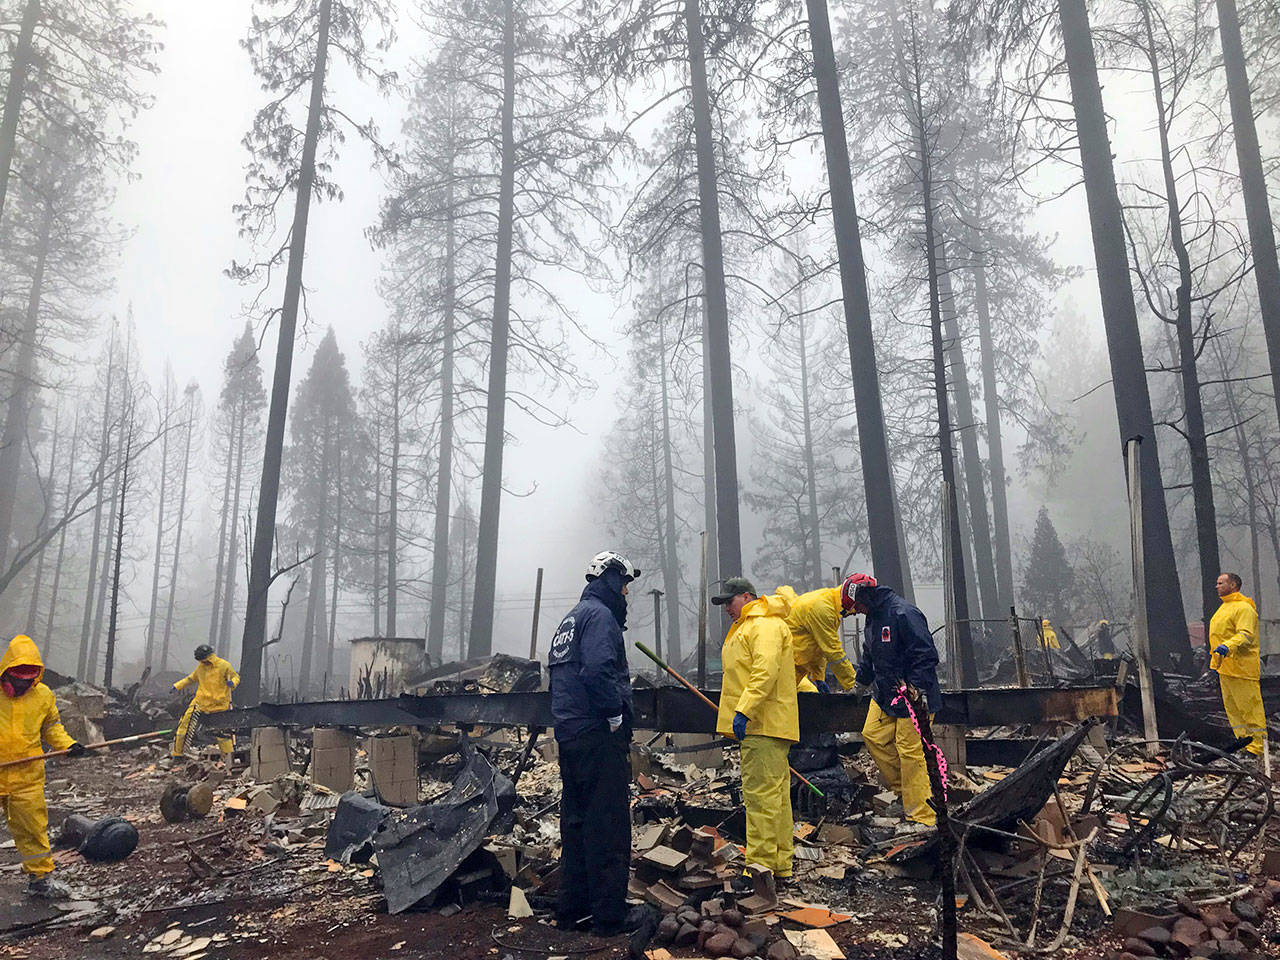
25, 721
755, 653
212, 676
1236, 624
814, 621
1050, 636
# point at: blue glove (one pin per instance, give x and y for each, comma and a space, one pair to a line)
823, 686
739, 725
1222, 650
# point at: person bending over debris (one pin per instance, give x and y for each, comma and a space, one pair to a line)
758, 708
814, 622
28, 715
896, 647
1233, 638
591, 704
214, 679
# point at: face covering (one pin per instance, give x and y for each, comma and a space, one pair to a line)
15, 684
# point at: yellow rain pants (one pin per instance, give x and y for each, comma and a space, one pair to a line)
895, 746
766, 791
28, 819
191, 719
1242, 699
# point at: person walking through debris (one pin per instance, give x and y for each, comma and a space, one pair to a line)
814, 622
1233, 638
214, 679
897, 647
758, 708
29, 715
591, 704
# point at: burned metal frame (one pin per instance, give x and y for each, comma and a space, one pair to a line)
668, 709
1226, 787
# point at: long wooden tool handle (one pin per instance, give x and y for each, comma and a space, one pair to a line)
708, 701
88, 746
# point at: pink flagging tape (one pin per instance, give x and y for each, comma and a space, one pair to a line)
937, 750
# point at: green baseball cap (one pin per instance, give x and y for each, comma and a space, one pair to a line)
731, 588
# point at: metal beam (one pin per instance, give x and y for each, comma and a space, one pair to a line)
668, 709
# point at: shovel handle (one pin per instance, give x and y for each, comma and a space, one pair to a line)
88, 746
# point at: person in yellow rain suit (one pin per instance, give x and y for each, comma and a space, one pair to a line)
1233, 638
29, 715
897, 648
758, 708
1050, 641
814, 622
214, 679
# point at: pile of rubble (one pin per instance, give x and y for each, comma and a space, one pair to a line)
1220, 928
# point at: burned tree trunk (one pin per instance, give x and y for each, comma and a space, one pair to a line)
995, 439
14, 92
1192, 402
315, 591
393, 526
104, 580
17, 418
331, 633
716, 312
177, 540
966, 424
709, 468
233, 540
48, 495
219, 571
160, 505
264, 537
109, 667
1165, 617
62, 534
486, 582
444, 464
671, 562
377, 527
1253, 186
813, 542
946, 451
883, 522
104, 446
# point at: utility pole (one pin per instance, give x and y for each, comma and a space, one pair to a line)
537, 611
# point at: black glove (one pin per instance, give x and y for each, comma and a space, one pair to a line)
77, 749
823, 686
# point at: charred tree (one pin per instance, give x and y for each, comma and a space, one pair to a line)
716, 312
1253, 186
1165, 617
884, 524
480, 643
264, 537
162, 500
995, 438
192, 395
14, 93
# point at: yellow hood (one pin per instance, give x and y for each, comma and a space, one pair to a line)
22, 652
776, 605
1236, 597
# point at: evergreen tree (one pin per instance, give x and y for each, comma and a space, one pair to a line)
1048, 583
322, 464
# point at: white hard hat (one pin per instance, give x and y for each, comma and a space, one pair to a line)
605, 559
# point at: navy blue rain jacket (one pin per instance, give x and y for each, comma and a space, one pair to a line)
897, 646
590, 681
